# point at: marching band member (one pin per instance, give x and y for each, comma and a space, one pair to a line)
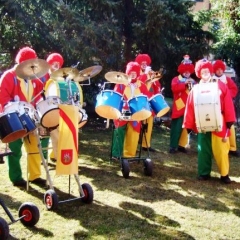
218, 68
14, 89
215, 143
126, 134
55, 61
181, 85
144, 61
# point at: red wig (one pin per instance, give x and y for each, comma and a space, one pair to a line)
203, 64
143, 58
133, 67
55, 57
24, 54
218, 64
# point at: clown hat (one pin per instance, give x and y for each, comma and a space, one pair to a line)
186, 65
203, 63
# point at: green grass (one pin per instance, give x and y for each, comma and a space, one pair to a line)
171, 204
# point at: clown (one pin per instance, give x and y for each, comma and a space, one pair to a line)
126, 134
211, 144
144, 61
14, 89
181, 85
218, 68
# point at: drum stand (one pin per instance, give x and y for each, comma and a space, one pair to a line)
51, 198
124, 161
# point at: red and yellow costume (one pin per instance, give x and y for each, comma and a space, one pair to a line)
126, 134
218, 64
210, 143
13, 89
180, 90
153, 88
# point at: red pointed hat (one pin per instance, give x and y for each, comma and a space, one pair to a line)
186, 65
203, 63
143, 58
133, 66
55, 57
218, 64
24, 54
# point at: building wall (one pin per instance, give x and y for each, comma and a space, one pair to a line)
201, 5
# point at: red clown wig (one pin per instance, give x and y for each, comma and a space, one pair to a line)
24, 54
133, 67
143, 58
218, 64
201, 64
55, 57
186, 65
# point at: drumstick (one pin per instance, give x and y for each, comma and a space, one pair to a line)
225, 137
107, 123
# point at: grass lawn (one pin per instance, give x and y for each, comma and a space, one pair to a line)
171, 204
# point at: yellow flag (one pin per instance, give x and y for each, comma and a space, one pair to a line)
67, 159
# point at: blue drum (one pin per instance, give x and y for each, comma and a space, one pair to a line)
109, 104
11, 127
139, 108
159, 105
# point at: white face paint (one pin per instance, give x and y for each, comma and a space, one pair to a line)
186, 74
55, 66
132, 75
143, 65
205, 74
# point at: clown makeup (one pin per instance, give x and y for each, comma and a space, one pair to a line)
219, 72
55, 66
132, 75
143, 65
186, 74
205, 74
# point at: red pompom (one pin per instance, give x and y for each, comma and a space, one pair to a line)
183, 67
219, 64
203, 64
133, 67
55, 57
143, 58
24, 54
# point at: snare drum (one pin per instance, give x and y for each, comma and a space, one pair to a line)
159, 105
207, 107
26, 113
61, 90
48, 111
11, 127
109, 104
139, 108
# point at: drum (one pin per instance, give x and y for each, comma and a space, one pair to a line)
11, 127
61, 90
207, 107
83, 117
109, 104
48, 111
26, 113
159, 105
139, 108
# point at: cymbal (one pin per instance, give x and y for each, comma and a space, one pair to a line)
32, 68
63, 73
88, 73
117, 77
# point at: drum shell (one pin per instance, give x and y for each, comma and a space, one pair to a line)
159, 105
48, 111
139, 108
11, 127
109, 104
61, 90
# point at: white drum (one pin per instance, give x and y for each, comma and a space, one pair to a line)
48, 111
207, 107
